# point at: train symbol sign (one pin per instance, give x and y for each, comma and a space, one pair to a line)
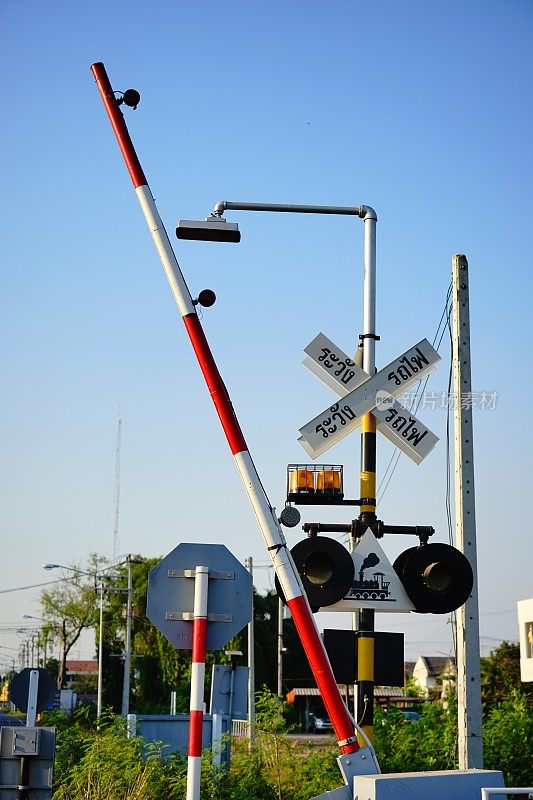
362, 393
376, 585
170, 601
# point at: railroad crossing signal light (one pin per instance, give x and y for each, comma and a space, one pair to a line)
326, 570
315, 484
438, 578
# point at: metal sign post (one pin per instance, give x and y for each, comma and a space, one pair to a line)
31, 714
199, 597
196, 719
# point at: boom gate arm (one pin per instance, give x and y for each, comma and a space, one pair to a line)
355, 759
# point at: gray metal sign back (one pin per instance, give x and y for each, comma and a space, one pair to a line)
170, 599
18, 690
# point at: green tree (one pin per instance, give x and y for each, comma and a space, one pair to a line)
296, 670
157, 667
500, 674
69, 607
508, 739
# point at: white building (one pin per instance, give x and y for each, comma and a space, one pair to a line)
525, 627
434, 674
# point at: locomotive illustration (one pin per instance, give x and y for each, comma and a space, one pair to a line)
373, 589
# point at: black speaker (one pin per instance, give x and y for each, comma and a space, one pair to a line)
438, 578
342, 646
326, 570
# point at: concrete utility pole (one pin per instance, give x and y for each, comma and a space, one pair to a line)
468, 675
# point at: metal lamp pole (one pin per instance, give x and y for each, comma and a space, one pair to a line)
100, 577
100, 650
249, 564
127, 653
127, 656
281, 610
366, 617
364, 709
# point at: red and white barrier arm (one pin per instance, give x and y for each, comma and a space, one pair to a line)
269, 525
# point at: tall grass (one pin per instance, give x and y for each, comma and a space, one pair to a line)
106, 765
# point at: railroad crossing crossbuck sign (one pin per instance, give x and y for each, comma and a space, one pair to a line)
362, 393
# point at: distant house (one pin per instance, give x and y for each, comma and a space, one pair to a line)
75, 669
435, 674
308, 701
82, 677
525, 626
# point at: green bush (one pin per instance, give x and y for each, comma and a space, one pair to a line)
245, 779
429, 743
508, 740
104, 764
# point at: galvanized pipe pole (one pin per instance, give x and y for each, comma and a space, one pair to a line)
249, 564
280, 646
363, 620
127, 651
100, 651
367, 484
468, 654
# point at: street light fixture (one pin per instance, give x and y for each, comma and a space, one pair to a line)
213, 229
50, 566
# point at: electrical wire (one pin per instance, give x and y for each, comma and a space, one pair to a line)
448, 503
31, 586
395, 457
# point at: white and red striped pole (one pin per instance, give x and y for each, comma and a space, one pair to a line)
196, 708
274, 539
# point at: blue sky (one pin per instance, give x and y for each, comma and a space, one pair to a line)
419, 110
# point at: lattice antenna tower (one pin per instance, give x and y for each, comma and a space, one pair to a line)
116, 493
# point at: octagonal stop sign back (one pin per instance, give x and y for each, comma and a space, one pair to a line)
170, 601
